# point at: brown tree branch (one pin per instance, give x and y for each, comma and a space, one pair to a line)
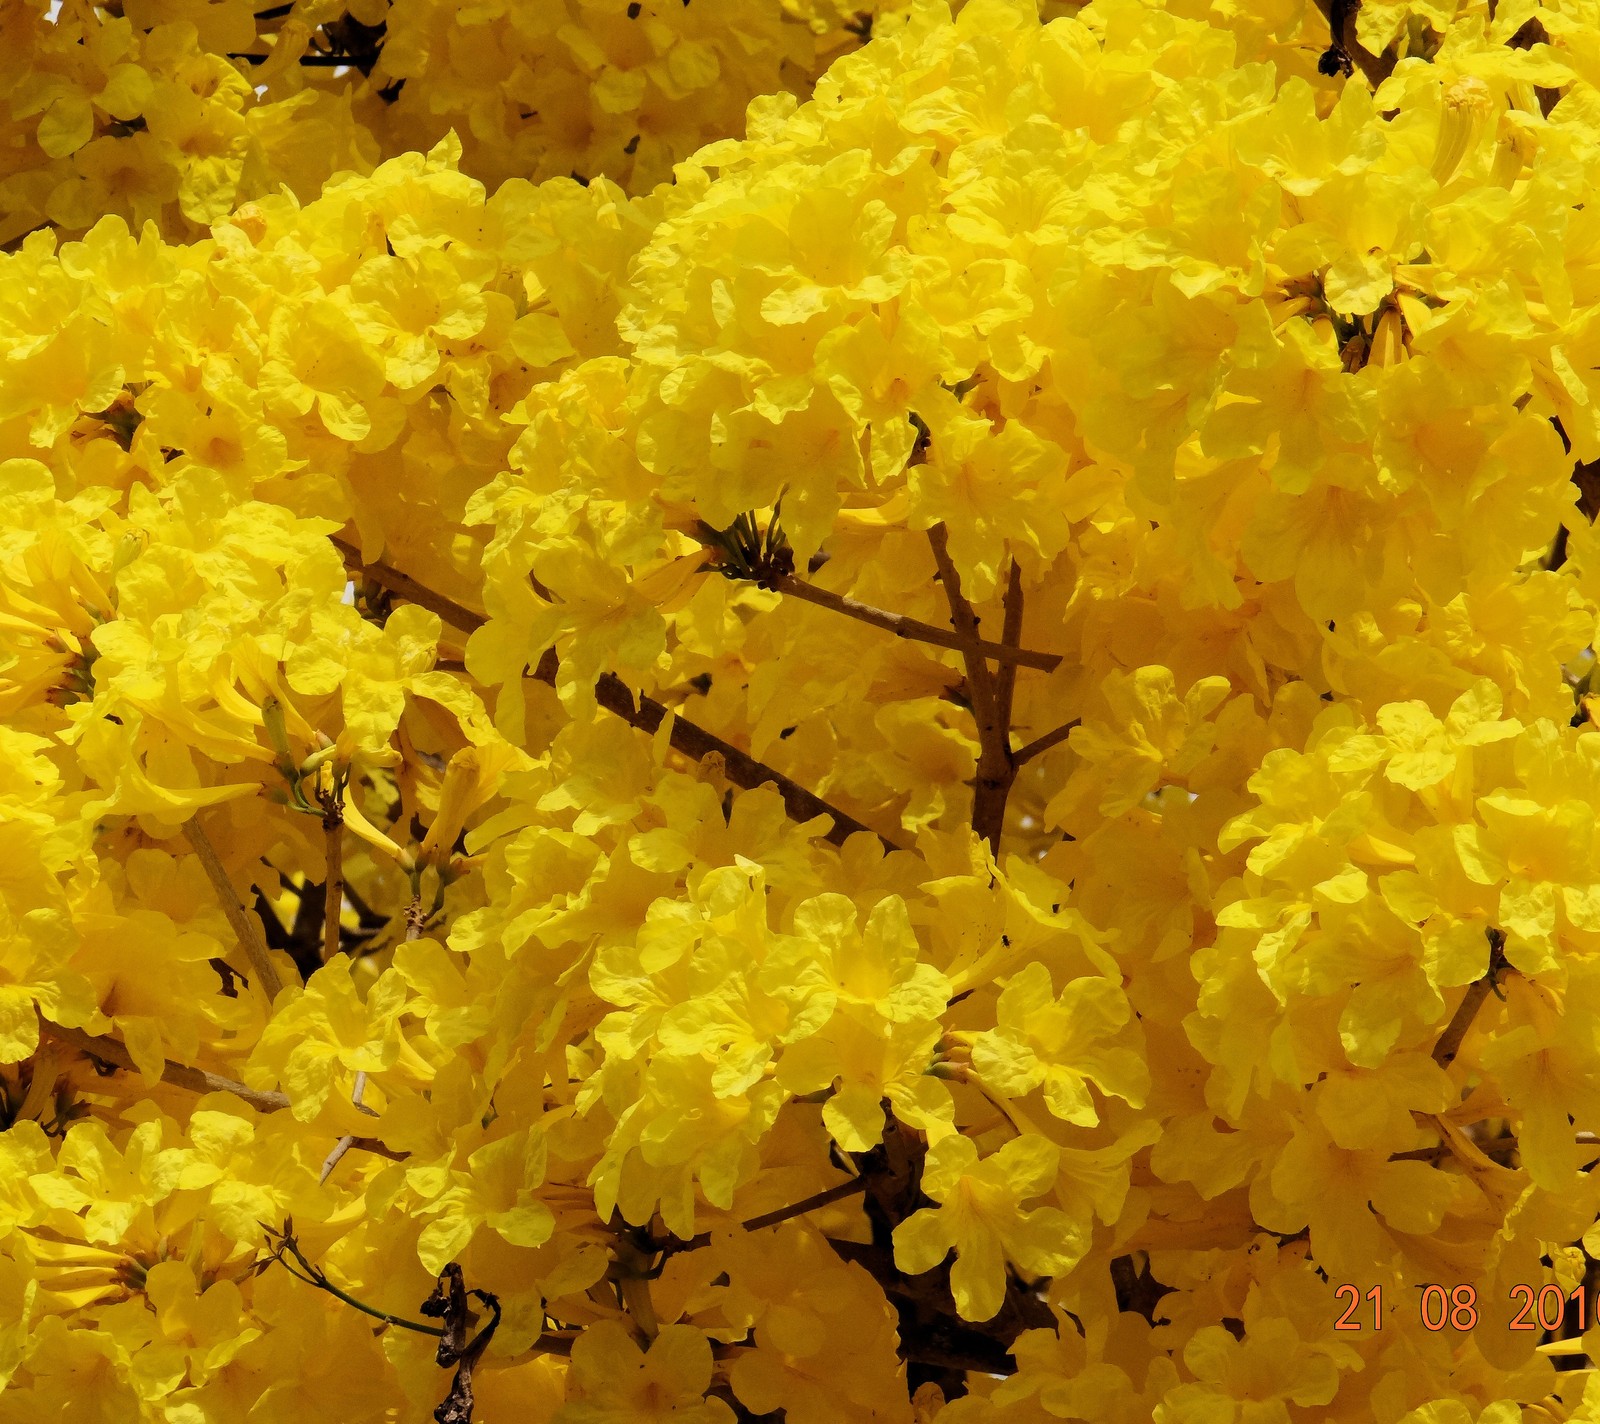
785, 1213
456, 614
1492, 1148
1011, 639
1449, 1044
694, 741
1009, 654
344, 1144
180, 1075
194, 1080
612, 693
996, 768
249, 936
333, 841
930, 1333
1039, 745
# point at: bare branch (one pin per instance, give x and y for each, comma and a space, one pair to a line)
914, 629
449, 1303
996, 768
284, 1244
195, 1080
1449, 1044
1495, 1147
1011, 640
617, 697
1039, 745
743, 769
333, 841
349, 1140
409, 589
316, 1276
180, 1075
772, 1218
249, 936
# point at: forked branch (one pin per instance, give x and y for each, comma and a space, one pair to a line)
194, 1080
991, 699
785, 1213
1009, 655
1039, 745
249, 936
612, 693
180, 1075
1455, 1032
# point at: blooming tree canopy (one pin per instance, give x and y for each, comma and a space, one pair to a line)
751, 710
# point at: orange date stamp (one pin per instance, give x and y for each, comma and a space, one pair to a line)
1543, 1308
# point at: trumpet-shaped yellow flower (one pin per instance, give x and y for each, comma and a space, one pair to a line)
982, 1219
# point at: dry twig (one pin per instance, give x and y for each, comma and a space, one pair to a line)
996, 766
617, 697
233, 908
1007, 654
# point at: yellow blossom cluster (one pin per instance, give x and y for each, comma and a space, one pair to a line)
178, 111
925, 753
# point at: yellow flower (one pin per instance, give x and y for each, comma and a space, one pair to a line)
1064, 1043
613, 1381
982, 1219
326, 1027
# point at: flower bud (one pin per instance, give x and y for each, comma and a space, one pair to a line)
277, 730
131, 545
1388, 341
457, 799
1281, 311
314, 763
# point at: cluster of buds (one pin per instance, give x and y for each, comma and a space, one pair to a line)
952, 1055
316, 785
326, 769
326, 772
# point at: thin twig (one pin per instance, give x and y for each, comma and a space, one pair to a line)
1039, 745
195, 1080
316, 1276
996, 767
349, 1140
1493, 1148
757, 1223
249, 936
314, 61
1449, 1044
811, 1203
1005, 682
180, 1075
914, 629
408, 588
612, 693
695, 742
333, 841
